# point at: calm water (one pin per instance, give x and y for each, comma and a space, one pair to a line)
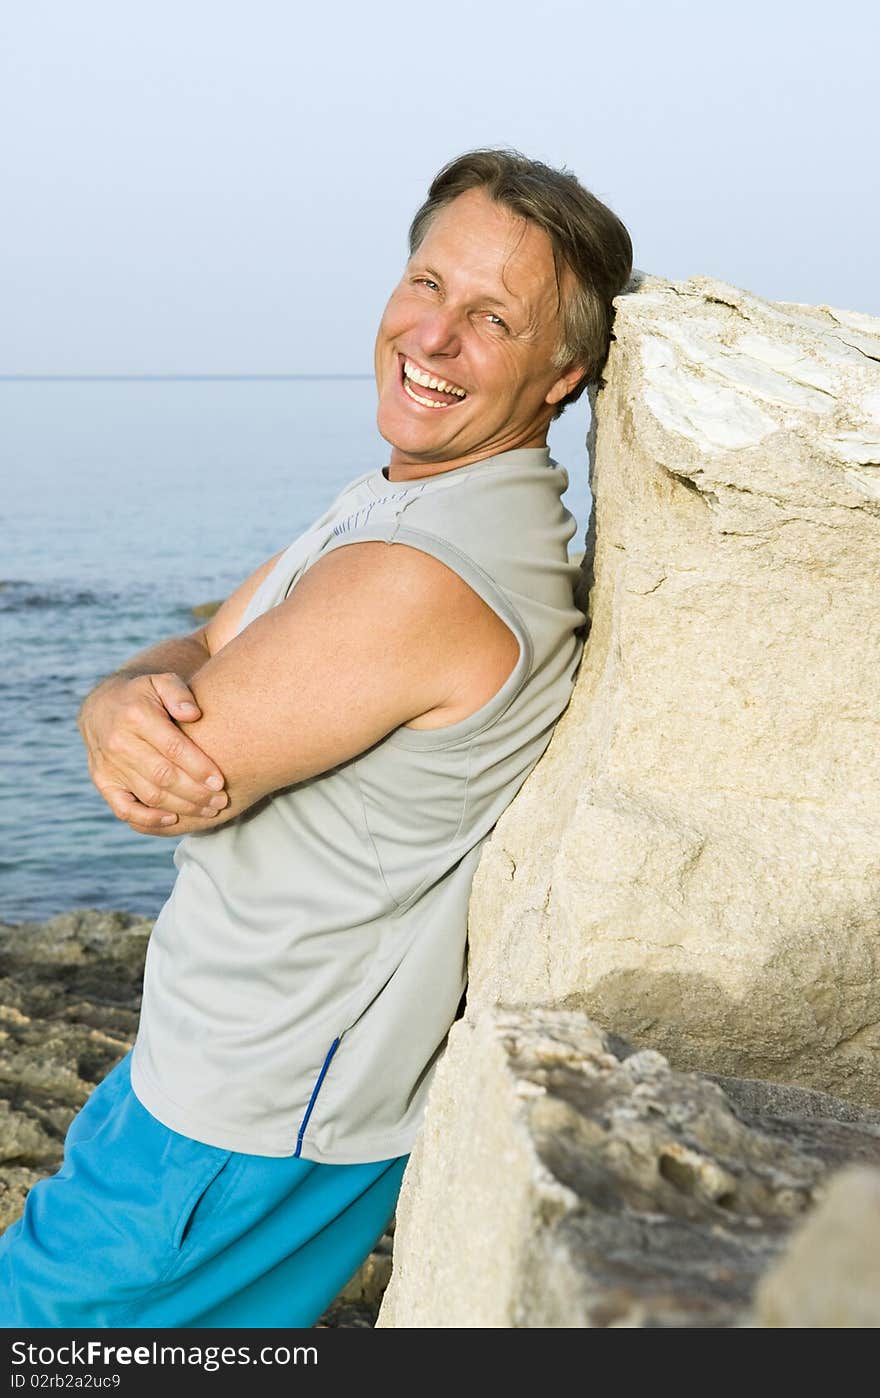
123, 505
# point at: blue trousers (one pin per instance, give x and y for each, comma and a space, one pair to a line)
142, 1226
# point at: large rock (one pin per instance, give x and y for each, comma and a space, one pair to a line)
695, 861
829, 1276
561, 1180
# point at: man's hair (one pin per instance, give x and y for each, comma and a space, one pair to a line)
586, 237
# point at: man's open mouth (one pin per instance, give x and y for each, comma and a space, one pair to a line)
427, 389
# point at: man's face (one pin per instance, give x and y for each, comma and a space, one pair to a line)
476, 310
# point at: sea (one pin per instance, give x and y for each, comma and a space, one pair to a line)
126, 502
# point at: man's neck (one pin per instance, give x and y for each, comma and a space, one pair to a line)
408, 470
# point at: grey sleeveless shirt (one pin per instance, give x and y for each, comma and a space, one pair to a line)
302, 977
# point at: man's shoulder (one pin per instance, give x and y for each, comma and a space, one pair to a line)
390, 574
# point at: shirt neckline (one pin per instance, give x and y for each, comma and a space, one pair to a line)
517, 458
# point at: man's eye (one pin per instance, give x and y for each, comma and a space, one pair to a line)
426, 281
496, 320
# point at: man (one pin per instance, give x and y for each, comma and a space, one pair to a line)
368, 702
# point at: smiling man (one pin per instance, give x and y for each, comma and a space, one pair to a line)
335, 746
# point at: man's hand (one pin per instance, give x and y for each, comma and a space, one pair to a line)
149, 773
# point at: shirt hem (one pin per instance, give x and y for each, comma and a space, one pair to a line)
357, 1151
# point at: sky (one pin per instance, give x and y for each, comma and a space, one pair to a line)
201, 186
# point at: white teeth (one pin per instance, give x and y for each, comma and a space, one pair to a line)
417, 375
425, 402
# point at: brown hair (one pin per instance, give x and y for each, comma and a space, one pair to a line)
586, 237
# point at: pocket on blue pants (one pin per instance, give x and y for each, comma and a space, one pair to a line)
205, 1195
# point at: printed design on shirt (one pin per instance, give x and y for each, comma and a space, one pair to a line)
359, 518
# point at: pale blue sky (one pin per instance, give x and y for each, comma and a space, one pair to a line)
218, 186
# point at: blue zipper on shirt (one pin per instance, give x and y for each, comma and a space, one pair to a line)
315, 1090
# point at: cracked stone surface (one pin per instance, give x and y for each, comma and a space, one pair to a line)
563, 1179
695, 862
70, 993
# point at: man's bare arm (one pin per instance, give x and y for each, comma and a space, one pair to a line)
373, 636
141, 762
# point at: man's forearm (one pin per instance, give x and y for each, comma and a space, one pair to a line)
179, 655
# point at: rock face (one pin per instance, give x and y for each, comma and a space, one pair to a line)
695, 862
563, 1180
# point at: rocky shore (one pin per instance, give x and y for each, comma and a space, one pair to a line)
70, 992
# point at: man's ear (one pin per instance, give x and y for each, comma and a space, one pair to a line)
564, 385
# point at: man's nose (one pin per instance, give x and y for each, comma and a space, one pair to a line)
439, 331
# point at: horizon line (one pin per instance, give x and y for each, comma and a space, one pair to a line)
152, 378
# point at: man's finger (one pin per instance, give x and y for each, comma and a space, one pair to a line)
177, 697
194, 768
155, 782
126, 808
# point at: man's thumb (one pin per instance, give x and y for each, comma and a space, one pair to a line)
177, 697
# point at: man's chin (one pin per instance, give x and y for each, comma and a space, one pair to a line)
414, 441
